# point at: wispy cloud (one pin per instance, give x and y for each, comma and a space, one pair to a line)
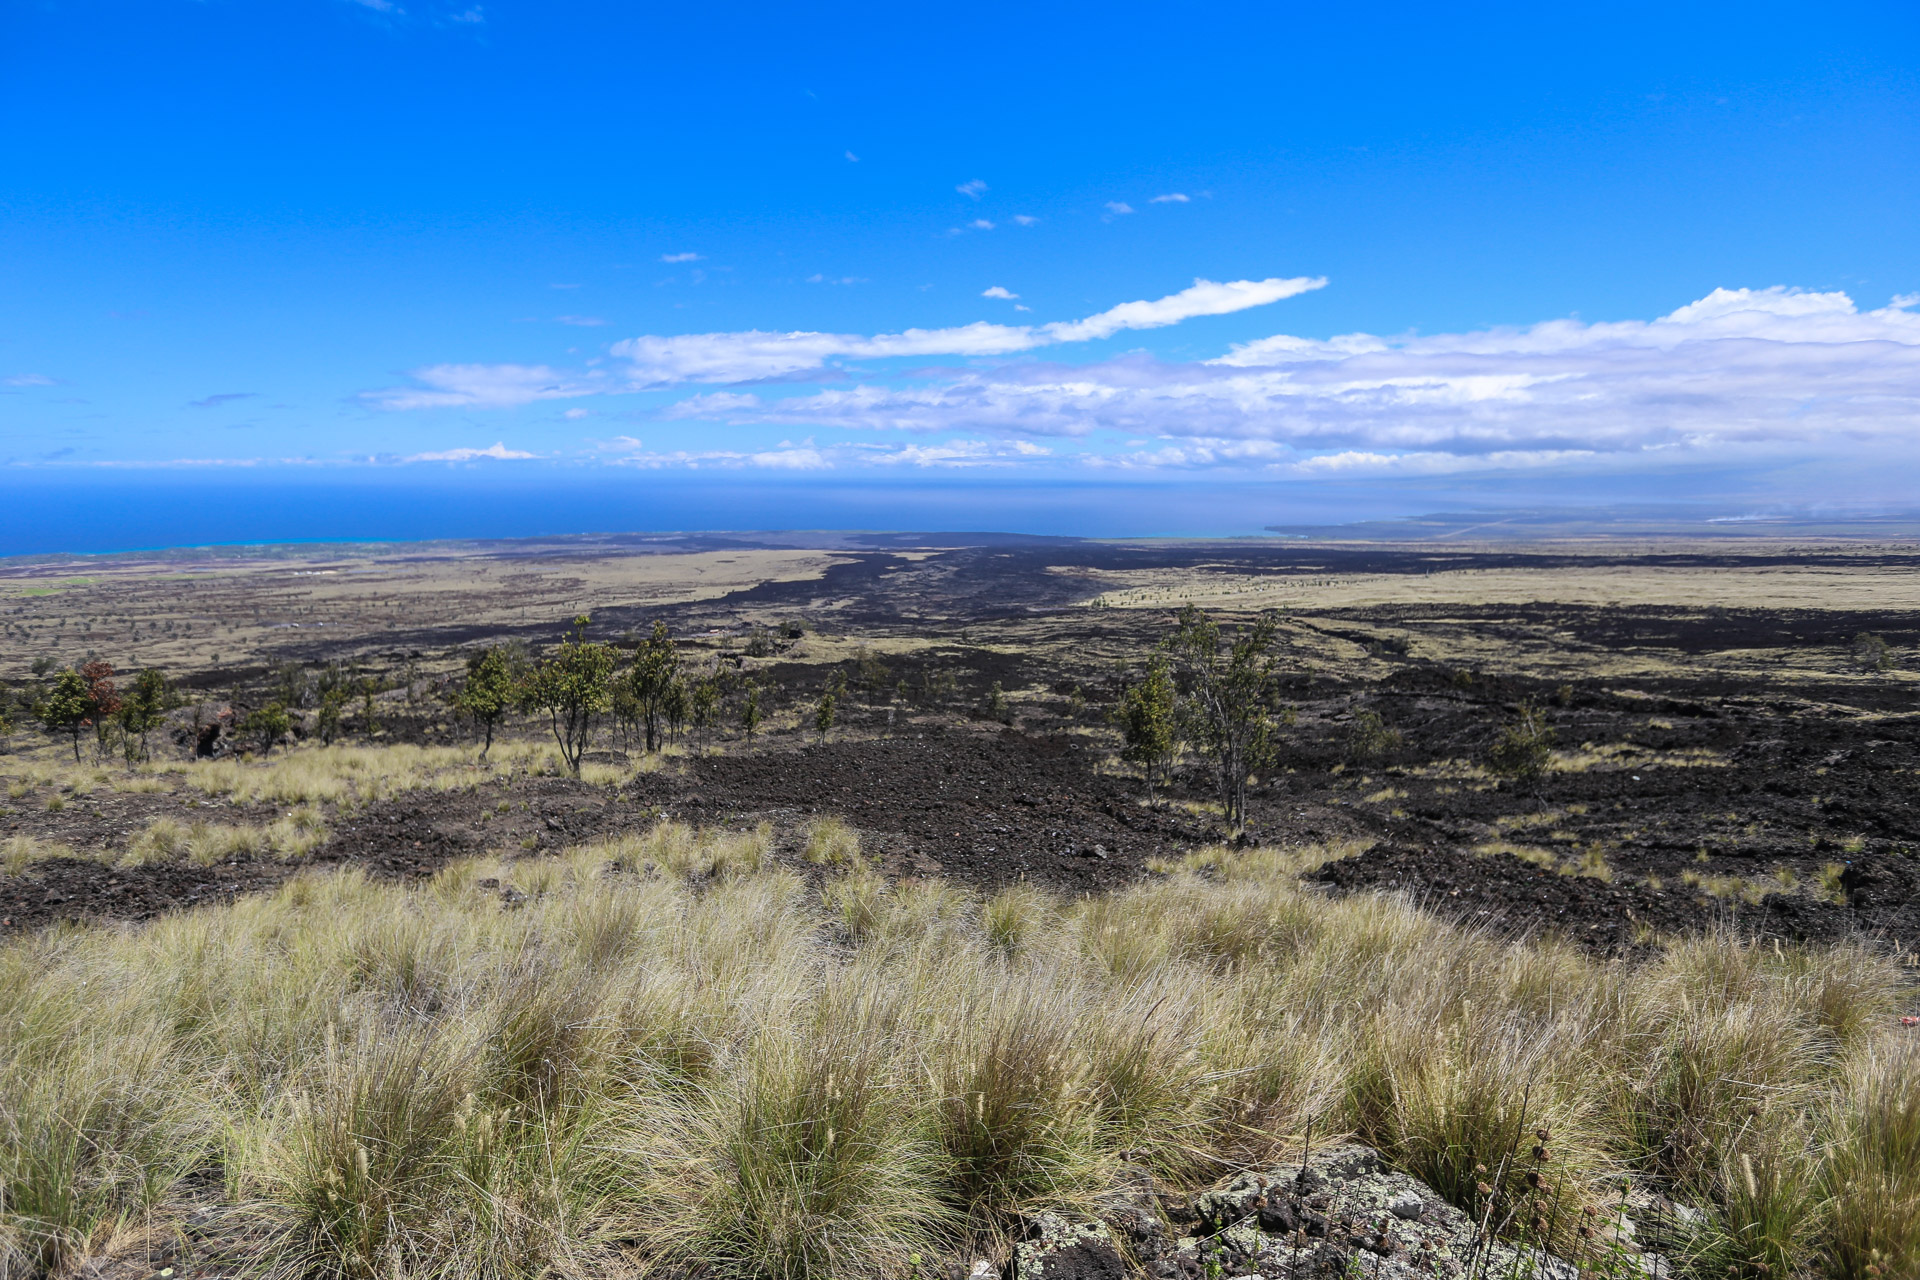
998, 291
497, 449
225, 397
852, 158
681, 257
27, 380
583, 322
1118, 208
479, 386
981, 224
1025, 220
745, 355
817, 278
808, 456
1172, 197
971, 189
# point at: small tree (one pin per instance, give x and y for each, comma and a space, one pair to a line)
272, 723
141, 712
654, 672
332, 709
493, 679
1524, 746
1368, 737
1872, 652
369, 711
103, 698
750, 711
1146, 716
1229, 699
66, 707
706, 708
823, 713
571, 686
675, 706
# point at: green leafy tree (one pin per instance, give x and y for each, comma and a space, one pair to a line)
572, 687
823, 713
655, 670
493, 679
272, 723
750, 711
1229, 704
67, 706
706, 708
1872, 652
1524, 747
675, 707
1369, 738
142, 711
994, 706
1146, 715
333, 705
369, 709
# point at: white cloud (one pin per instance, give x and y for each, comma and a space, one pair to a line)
1118, 207
574, 415
494, 450
681, 257
479, 386
971, 189
741, 356
1205, 298
809, 456
27, 380
1025, 220
1740, 374
584, 322
817, 278
852, 158
981, 224
1172, 197
997, 291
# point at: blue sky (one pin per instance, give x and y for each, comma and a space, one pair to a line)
1567, 252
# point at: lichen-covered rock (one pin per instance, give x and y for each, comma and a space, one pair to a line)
1342, 1214
1056, 1249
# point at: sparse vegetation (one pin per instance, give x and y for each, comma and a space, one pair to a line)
1524, 747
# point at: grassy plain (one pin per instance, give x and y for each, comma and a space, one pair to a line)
665, 1051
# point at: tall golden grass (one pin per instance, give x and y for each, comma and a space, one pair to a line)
666, 1052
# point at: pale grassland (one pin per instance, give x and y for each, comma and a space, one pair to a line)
338, 774
664, 1052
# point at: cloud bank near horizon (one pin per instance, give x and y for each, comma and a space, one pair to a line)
1738, 374
1741, 369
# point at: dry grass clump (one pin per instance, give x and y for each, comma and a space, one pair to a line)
831, 842
662, 1052
19, 853
291, 837
346, 774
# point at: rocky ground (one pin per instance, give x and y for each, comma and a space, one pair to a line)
1724, 759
